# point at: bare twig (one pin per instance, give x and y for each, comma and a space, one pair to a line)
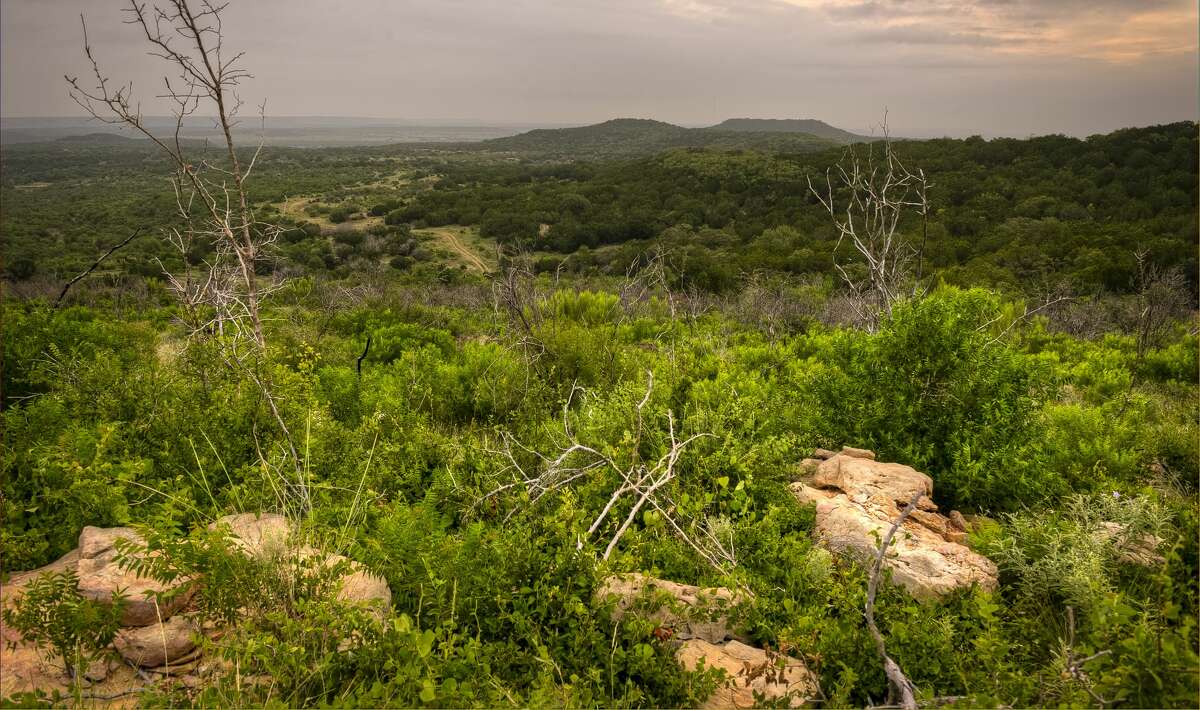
1075, 665
637, 483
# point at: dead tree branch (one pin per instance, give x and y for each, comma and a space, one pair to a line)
67, 286
1074, 664
900, 688
222, 299
636, 483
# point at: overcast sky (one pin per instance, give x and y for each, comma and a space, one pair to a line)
994, 67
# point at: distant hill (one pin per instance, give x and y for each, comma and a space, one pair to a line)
97, 138
642, 136
810, 126
618, 136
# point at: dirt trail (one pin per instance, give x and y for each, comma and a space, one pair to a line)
472, 259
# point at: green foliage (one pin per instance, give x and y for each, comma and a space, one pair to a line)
112, 415
1071, 557
52, 613
939, 389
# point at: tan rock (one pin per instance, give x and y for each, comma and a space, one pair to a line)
98, 670
750, 670
690, 612
858, 453
858, 499
157, 644
808, 495
363, 588
1135, 550
101, 575
260, 535
823, 454
809, 466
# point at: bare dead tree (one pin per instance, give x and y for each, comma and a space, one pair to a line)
516, 296
638, 484
877, 192
223, 299
1162, 299
900, 689
211, 197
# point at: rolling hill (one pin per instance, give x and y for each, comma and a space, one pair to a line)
810, 126
625, 137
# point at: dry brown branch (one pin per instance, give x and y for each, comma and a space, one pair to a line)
222, 300
900, 688
204, 75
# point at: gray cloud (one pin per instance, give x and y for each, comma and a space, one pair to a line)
1009, 67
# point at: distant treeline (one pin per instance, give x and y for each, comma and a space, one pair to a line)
1007, 212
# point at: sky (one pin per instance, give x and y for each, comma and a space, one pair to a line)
937, 67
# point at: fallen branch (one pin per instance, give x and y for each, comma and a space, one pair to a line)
900, 688
67, 287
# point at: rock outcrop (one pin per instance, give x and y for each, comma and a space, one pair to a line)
699, 621
158, 644
261, 536
101, 576
158, 635
269, 537
858, 498
1139, 550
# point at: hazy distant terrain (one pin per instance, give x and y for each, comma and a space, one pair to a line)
293, 131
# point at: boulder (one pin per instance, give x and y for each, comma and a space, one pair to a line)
781, 680
857, 499
689, 612
157, 644
259, 535
101, 575
359, 587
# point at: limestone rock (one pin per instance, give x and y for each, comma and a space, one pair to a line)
858, 453
1135, 550
260, 535
749, 670
362, 588
690, 612
857, 499
157, 644
100, 575
98, 670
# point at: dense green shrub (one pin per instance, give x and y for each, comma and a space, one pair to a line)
940, 388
